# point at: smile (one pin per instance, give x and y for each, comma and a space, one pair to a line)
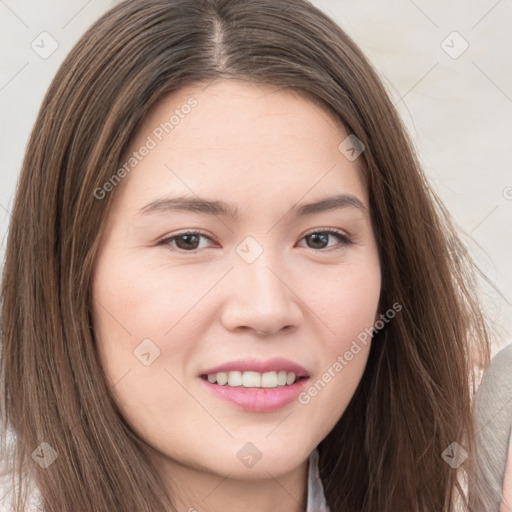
252, 379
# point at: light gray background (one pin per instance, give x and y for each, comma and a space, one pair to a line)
458, 110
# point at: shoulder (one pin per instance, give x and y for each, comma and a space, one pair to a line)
494, 395
493, 422
501, 364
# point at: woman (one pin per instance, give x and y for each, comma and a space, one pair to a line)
256, 368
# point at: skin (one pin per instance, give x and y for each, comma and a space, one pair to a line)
263, 150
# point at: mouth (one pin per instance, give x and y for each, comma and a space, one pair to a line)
260, 393
251, 379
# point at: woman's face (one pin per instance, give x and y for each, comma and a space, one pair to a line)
267, 283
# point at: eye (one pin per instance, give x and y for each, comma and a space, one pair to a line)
189, 241
186, 241
322, 237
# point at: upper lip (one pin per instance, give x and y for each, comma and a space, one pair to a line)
253, 365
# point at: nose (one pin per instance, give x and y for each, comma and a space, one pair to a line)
261, 299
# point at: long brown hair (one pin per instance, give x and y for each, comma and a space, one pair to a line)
415, 397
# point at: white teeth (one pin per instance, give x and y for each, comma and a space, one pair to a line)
269, 380
253, 379
234, 378
221, 378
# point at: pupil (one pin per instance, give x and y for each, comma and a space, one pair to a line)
322, 236
187, 237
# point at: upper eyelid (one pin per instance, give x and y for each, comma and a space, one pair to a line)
316, 230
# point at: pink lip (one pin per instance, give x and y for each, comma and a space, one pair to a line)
252, 365
257, 399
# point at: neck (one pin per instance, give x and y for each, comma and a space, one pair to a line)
199, 490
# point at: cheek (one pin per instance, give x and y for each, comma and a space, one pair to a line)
349, 310
143, 330
133, 301
349, 305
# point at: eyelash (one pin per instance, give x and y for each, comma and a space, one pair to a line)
344, 240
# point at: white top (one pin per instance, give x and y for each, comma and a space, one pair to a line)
316, 499
493, 415
315, 496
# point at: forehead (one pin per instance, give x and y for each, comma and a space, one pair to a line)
239, 141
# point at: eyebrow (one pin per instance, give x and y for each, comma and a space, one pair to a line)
220, 208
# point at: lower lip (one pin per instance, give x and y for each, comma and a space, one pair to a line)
257, 399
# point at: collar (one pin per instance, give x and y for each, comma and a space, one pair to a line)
316, 499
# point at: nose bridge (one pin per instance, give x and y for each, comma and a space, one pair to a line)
262, 298
259, 273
